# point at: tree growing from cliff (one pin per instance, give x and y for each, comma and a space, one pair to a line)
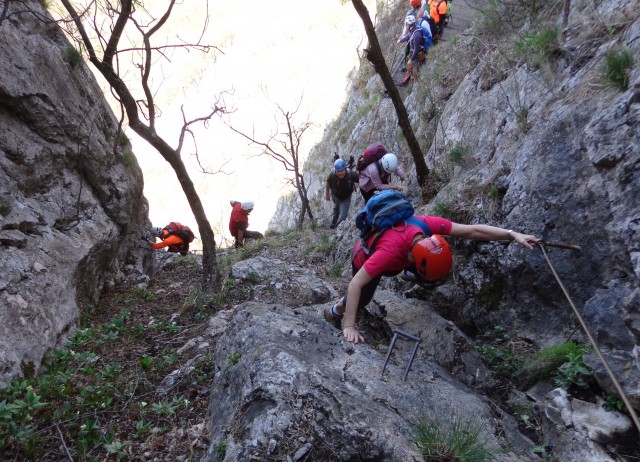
103, 41
283, 145
376, 58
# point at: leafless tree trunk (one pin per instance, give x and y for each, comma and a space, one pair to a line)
146, 128
287, 152
375, 56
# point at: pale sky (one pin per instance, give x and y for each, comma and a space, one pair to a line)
273, 53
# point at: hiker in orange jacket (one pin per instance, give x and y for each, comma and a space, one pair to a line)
437, 18
172, 241
239, 222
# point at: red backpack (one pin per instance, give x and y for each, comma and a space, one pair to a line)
184, 233
373, 153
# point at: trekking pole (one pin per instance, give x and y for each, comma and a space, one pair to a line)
623, 395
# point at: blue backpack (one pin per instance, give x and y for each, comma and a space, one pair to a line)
382, 211
385, 209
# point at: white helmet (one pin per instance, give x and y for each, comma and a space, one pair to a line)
247, 205
156, 231
389, 162
410, 20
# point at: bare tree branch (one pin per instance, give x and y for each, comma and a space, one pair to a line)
130, 105
286, 151
375, 56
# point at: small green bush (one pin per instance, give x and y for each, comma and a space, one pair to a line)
574, 373
336, 270
234, 359
442, 209
459, 441
5, 206
538, 48
72, 56
613, 403
129, 159
458, 154
618, 64
221, 448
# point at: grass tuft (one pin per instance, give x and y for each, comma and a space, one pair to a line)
618, 64
460, 440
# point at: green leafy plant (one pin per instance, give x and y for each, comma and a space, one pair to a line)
442, 209
501, 360
234, 359
617, 66
142, 427
145, 362
221, 448
459, 440
164, 408
129, 159
500, 353
458, 154
5, 206
72, 56
539, 47
543, 450
574, 373
336, 270
613, 403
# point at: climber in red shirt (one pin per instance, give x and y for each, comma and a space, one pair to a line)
239, 222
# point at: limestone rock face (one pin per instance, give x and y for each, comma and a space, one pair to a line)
71, 202
553, 151
287, 382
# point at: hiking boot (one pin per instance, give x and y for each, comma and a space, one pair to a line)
335, 321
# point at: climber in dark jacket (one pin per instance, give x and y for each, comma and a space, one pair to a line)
339, 187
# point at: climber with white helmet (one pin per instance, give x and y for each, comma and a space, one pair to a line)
376, 176
239, 222
418, 40
340, 185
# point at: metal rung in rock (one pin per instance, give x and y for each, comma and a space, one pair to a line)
400, 333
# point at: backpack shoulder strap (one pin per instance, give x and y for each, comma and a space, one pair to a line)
368, 249
420, 224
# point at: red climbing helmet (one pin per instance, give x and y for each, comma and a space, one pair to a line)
433, 257
416, 3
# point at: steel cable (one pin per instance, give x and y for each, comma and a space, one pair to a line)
632, 412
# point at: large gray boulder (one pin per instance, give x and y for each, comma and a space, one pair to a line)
71, 203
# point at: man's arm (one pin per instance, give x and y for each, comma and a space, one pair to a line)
171, 240
492, 233
359, 280
327, 189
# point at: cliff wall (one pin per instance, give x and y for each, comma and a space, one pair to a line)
71, 202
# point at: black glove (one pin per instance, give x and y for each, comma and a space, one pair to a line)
336, 157
351, 161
